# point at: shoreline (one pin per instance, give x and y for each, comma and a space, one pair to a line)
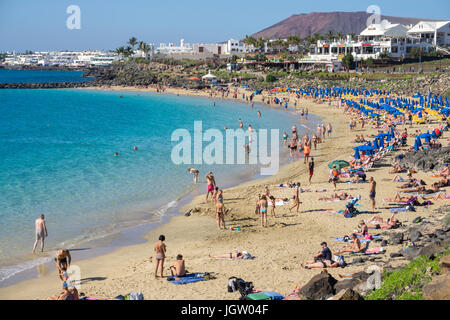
290, 239
110, 242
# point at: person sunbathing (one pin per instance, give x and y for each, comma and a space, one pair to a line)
354, 247
363, 229
445, 171
337, 196
322, 259
423, 190
235, 254
399, 198
67, 293
439, 196
397, 169
411, 184
377, 222
443, 183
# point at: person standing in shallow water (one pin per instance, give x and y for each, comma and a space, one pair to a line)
160, 254
41, 232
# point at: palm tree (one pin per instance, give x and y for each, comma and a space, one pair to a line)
330, 35
340, 36
260, 44
128, 51
132, 42
145, 48
120, 51
318, 36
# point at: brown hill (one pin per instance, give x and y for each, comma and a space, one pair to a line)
322, 22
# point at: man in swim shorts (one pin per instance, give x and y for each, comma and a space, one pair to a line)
220, 212
372, 192
211, 184
41, 232
63, 261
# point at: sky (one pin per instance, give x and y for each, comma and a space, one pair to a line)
39, 25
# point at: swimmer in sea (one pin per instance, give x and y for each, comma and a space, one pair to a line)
195, 172
116, 154
259, 113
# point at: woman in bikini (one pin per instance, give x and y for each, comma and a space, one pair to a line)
263, 204
377, 222
160, 254
235, 254
354, 247
220, 212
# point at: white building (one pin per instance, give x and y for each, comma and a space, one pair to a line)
436, 33
396, 40
62, 58
172, 48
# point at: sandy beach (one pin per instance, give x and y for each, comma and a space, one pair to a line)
289, 240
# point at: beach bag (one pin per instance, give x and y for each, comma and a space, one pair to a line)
368, 236
232, 284
134, 296
341, 260
245, 288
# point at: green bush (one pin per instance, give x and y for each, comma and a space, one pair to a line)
414, 276
270, 78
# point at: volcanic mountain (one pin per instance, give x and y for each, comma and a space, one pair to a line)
323, 22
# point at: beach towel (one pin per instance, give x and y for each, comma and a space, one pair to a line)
258, 296
273, 295
292, 296
405, 209
359, 237
190, 278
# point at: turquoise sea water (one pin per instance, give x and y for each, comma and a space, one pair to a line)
40, 76
57, 151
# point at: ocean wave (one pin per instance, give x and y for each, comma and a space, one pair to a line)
9, 271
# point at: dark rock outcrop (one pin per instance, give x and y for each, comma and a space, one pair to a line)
320, 287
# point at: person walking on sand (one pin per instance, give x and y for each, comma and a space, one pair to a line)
296, 197
329, 129
372, 192
160, 254
263, 204
41, 232
195, 172
272, 207
311, 170
334, 176
306, 152
220, 213
211, 184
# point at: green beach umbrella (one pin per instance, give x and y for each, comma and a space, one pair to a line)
339, 164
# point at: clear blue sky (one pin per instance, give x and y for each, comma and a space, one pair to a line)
107, 24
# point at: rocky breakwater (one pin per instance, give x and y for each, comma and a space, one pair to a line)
49, 85
136, 74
